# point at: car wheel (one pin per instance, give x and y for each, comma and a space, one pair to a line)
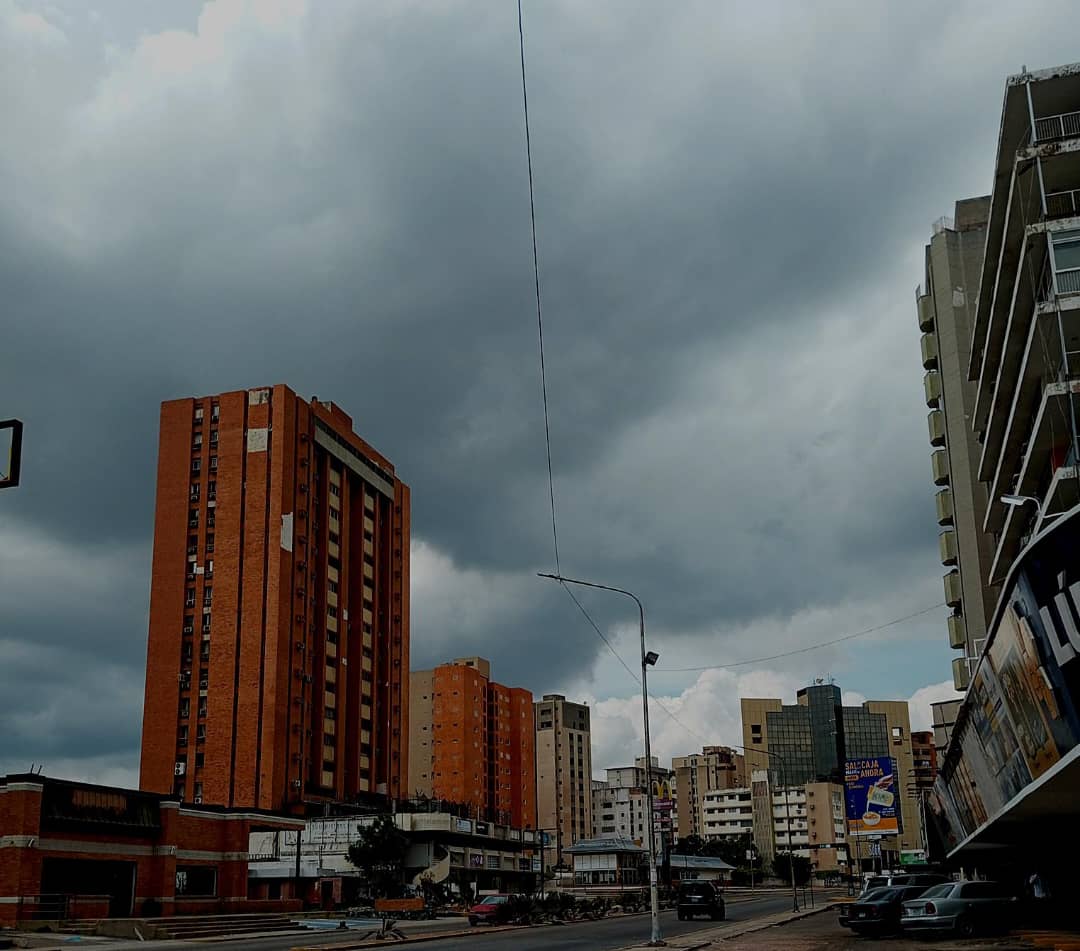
472, 921
965, 926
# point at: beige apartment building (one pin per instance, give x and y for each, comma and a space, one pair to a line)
563, 775
714, 768
946, 303
810, 741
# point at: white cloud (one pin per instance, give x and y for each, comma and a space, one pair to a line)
29, 26
919, 703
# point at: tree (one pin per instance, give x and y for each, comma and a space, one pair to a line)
690, 845
782, 868
379, 853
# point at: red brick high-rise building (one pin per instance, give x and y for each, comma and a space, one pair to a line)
278, 656
473, 741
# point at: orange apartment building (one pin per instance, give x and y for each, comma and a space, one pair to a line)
276, 674
471, 741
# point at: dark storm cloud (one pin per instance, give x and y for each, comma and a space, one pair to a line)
731, 205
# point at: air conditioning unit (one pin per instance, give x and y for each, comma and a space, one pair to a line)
188, 629
181, 768
296, 784
197, 800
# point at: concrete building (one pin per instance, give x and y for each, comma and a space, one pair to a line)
1009, 772
472, 741
472, 854
943, 716
715, 767
563, 774
621, 802
808, 820
924, 759
279, 607
811, 741
946, 303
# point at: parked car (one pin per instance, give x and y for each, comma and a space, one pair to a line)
879, 911
487, 911
897, 879
962, 907
700, 898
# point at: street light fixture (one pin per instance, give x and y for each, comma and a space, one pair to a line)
648, 659
1018, 500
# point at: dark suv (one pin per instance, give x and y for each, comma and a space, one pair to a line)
700, 898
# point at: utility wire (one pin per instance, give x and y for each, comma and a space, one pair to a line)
603, 637
806, 650
536, 276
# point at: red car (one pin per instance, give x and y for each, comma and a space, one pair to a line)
488, 909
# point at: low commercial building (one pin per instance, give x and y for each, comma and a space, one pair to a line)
72, 850
471, 854
614, 861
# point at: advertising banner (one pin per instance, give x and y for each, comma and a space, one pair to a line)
871, 798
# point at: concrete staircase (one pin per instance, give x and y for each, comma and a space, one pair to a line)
187, 927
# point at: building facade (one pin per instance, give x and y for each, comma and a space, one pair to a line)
946, 303
924, 759
563, 774
810, 742
472, 741
73, 850
621, 802
278, 647
1008, 773
715, 767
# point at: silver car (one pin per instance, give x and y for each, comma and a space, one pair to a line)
961, 907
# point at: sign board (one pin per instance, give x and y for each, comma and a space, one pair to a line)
536, 863
871, 799
398, 904
463, 825
913, 857
875, 850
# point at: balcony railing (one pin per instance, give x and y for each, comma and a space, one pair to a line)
1064, 125
1068, 282
1063, 204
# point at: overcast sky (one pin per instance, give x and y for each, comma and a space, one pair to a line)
732, 202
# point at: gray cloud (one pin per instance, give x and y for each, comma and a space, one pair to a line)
731, 207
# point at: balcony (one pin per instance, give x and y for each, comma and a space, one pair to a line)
932, 389
954, 592
939, 462
925, 305
947, 546
935, 424
1065, 125
1063, 204
961, 674
944, 504
957, 632
929, 351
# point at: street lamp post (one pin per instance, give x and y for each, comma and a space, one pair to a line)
648, 659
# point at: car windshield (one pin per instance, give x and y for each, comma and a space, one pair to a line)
877, 882
494, 900
873, 893
937, 891
697, 888
883, 894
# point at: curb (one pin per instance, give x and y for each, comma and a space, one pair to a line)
409, 939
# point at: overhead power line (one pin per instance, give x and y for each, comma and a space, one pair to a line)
805, 650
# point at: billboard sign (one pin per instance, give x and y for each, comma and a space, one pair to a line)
871, 798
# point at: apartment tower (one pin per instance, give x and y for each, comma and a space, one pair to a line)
279, 607
563, 774
472, 741
946, 303
714, 768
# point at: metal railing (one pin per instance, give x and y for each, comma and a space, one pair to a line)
1068, 282
1061, 126
1064, 204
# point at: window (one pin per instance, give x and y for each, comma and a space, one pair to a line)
198, 414
211, 489
210, 568
193, 544
189, 598
204, 651
215, 412
199, 881
213, 437
202, 707
206, 621
213, 463
333, 515
332, 587
199, 759
194, 491
335, 538
208, 594
182, 736
193, 518
334, 490
210, 541
331, 611
198, 792
196, 465
200, 732
185, 708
